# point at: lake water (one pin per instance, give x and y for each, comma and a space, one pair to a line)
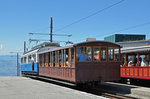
8, 65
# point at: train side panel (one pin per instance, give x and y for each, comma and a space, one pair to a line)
67, 74
135, 72
29, 69
104, 71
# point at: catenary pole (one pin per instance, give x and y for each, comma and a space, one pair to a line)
51, 30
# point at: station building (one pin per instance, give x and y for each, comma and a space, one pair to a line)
124, 38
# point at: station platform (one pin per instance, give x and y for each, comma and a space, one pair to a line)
26, 88
128, 90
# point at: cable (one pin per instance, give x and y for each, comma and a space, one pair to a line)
128, 28
89, 15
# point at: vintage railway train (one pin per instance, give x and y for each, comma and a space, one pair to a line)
84, 62
135, 63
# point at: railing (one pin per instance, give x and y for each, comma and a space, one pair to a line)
135, 72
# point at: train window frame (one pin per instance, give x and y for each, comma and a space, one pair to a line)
118, 53
106, 60
25, 60
56, 58
99, 54
51, 59
46, 59
40, 60
59, 57
22, 60
29, 58
69, 57
84, 54
62, 57
77, 59
73, 53
43, 60
65, 58
112, 55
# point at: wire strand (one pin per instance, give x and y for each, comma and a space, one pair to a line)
95, 13
124, 29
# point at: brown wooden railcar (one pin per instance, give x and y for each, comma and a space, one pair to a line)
91, 61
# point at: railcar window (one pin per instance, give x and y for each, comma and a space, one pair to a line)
43, 60
34, 57
87, 56
96, 54
62, 58
72, 54
29, 58
111, 54
25, 59
80, 54
144, 59
67, 56
21, 60
56, 58
51, 59
40, 60
53, 55
103, 54
131, 60
46, 59
116, 52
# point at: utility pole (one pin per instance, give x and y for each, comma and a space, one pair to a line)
24, 46
51, 30
50, 34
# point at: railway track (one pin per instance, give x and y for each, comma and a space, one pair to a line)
92, 90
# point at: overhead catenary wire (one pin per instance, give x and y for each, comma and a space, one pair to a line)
124, 29
95, 13
128, 28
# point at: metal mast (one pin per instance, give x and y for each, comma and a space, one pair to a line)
51, 30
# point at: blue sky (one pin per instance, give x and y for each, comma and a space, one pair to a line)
19, 17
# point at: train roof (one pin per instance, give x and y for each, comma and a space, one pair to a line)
134, 43
41, 47
135, 49
30, 52
97, 42
87, 43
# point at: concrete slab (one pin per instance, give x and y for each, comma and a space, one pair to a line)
26, 88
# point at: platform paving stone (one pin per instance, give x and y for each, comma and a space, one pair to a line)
26, 88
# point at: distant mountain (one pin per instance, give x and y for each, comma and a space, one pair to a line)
8, 65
